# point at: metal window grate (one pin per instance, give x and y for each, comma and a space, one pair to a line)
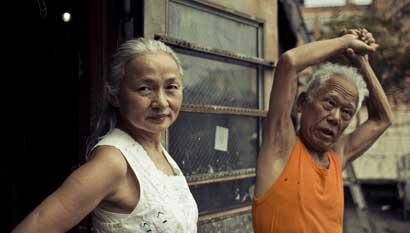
214, 82
193, 143
218, 196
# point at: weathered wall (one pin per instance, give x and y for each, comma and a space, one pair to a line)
380, 161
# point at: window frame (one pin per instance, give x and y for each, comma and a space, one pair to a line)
159, 32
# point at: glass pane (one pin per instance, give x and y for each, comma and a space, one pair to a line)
223, 195
218, 83
192, 143
211, 30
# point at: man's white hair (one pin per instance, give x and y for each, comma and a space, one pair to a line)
328, 70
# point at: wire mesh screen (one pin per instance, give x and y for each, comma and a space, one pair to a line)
214, 82
211, 143
221, 196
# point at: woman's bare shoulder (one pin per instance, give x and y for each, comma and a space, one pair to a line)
109, 157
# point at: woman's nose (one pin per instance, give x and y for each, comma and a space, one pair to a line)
160, 100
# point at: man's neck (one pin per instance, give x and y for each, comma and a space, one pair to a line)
320, 157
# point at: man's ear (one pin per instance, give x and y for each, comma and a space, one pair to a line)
302, 100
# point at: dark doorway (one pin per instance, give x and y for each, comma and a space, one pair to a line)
61, 66
52, 103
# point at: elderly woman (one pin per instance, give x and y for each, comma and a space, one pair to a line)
129, 183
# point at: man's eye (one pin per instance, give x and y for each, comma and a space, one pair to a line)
327, 105
144, 89
347, 112
331, 103
346, 116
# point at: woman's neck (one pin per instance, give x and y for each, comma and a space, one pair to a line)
146, 139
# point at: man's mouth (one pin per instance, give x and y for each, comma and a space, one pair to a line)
327, 133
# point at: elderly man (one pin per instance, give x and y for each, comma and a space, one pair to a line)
299, 185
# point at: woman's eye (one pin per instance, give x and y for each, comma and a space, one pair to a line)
173, 87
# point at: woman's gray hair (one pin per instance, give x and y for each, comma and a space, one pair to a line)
106, 118
130, 50
327, 70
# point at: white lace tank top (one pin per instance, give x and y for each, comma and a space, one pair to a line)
166, 204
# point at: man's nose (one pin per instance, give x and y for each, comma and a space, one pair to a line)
334, 116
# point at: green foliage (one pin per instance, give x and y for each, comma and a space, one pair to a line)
391, 62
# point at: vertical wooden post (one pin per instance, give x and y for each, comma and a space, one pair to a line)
359, 201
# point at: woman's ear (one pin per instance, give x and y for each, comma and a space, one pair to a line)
302, 100
112, 99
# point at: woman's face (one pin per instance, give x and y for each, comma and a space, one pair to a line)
150, 95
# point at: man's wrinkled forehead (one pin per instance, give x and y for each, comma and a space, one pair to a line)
341, 86
343, 83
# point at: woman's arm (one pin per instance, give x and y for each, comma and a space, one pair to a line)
80, 193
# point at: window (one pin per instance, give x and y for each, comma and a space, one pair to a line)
216, 138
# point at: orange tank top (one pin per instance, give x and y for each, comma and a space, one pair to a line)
305, 198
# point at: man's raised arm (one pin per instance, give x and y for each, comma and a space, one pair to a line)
379, 114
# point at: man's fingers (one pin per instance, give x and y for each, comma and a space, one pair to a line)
375, 46
369, 36
372, 47
367, 45
366, 37
369, 41
350, 52
363, 30
353, 31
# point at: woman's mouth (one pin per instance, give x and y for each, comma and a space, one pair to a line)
159, 117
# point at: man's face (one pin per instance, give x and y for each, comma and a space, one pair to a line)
327, 114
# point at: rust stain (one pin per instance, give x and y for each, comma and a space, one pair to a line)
220, 176
223, 110
220, 52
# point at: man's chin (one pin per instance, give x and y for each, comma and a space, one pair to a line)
325, 146
318, 144
321, 146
